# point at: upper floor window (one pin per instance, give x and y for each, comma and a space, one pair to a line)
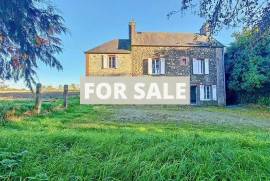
156, 67
200, 66
109, 61
112, 61
184, 61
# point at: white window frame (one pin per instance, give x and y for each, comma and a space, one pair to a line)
200, 66
207, 92
156, 66
112, 61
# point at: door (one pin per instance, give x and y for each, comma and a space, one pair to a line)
193, 94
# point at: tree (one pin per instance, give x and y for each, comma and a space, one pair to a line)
29, 31
219, 13
248, 65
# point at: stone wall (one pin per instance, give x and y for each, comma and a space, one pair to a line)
94, 65
173, 67
135, 64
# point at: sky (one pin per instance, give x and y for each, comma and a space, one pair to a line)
93, 22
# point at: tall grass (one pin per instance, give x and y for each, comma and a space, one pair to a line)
82, 143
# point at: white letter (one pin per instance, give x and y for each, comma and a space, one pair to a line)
119, 91
108, 91
138, 89
88, 90
153, 91
166, 92
180, 90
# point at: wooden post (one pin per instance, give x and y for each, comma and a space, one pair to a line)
38, 99
65, 96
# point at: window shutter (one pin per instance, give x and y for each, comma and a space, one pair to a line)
117, 61
200, 66
105, 61
195, 66
214, 92
206, 66
150, 68
201, 92
162, 66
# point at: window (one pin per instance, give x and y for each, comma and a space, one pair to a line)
112, 61
156, 66
184, 61
200, 66
207, 92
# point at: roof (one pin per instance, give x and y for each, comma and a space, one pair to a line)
114, 46
174, 39
164, 39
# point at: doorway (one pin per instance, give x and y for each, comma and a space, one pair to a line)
193, 94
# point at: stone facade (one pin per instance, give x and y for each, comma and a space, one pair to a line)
94, 65
133, 55
173, 67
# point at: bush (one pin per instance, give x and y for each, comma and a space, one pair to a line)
4, 109
264, 101
10, 109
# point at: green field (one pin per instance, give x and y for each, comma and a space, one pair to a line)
134, 143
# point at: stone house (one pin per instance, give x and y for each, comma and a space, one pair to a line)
165, 54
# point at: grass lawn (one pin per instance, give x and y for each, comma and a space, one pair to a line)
136, 143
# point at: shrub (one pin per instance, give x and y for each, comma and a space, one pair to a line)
264, 101
4, 109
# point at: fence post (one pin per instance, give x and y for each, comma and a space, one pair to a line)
38, 99
65, 96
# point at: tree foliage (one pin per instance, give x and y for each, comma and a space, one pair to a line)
219, 13
248, 65
29, 34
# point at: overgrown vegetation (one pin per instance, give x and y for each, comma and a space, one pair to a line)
247, 69
90, 143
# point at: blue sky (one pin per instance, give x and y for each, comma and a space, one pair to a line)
92, 22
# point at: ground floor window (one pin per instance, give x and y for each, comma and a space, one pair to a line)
207, 92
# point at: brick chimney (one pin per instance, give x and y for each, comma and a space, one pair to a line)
132, 30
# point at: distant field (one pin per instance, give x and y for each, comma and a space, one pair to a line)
134, 142
29, 95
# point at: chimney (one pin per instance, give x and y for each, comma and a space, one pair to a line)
132, 30
205, 29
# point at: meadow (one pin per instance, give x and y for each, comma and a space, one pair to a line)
133, 142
